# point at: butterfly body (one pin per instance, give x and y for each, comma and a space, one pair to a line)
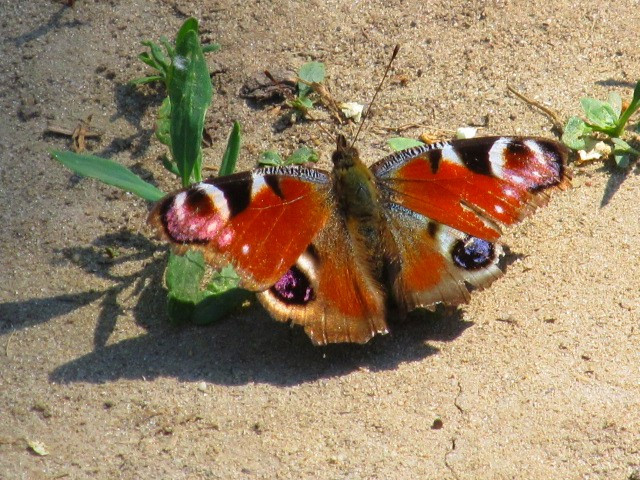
344, 252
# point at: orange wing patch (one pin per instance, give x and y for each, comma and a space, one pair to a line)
329, 292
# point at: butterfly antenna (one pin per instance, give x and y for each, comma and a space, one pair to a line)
366, 113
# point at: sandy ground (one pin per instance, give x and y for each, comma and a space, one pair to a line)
538, 377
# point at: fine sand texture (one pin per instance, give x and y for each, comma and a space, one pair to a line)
538, 377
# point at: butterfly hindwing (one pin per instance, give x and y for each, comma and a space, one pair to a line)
252, 220
329, 291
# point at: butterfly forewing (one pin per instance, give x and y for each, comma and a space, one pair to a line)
252, 220
474, 185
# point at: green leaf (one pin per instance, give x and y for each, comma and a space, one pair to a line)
622, 160
146, 58
402, 143
599, 114
170, 166
190, 91
184, 275
179, 310
158, 55
109, 172
631, 109
270, 158
215, 307
616, 103
636, 93
620, 146
224, 279
211, 47
163, 123
171, 51
186, 302
302, 155
312, 72
230, 157
302, 103
143, 80
575, 132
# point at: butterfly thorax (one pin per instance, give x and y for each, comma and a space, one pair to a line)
357, 195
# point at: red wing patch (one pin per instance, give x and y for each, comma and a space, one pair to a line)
260, 222
474, 185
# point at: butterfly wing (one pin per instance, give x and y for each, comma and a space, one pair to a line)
258, 221
446, 204
282, 231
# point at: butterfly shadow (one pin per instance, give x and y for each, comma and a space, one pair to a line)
247, 346
250, 347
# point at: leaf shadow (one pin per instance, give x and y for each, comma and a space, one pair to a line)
132, 104
617, 177
55, 22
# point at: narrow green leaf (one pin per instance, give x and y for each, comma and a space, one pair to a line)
163, 123
146, 58
109, 172
190, 91
270, 158
159, 57
302, 155
402, 143
230, 157
149, 79
631, 109
170, 166
312, 72
599, 114
211, 47
184, 274
171, 51
636, 93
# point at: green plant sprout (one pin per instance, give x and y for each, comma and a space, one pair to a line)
180, 126
603, 119
309, 75
301, 156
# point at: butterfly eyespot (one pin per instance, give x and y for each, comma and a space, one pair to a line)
472, 253
293, 288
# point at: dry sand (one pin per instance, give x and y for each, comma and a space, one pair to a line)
537, 378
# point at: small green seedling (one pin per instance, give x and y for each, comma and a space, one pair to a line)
301, 156
402, 143
180, 125
603, 120
310, 74
161, 61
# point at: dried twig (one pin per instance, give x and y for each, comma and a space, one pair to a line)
78, 135
551, 114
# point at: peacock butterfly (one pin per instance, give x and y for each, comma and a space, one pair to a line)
343, 252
